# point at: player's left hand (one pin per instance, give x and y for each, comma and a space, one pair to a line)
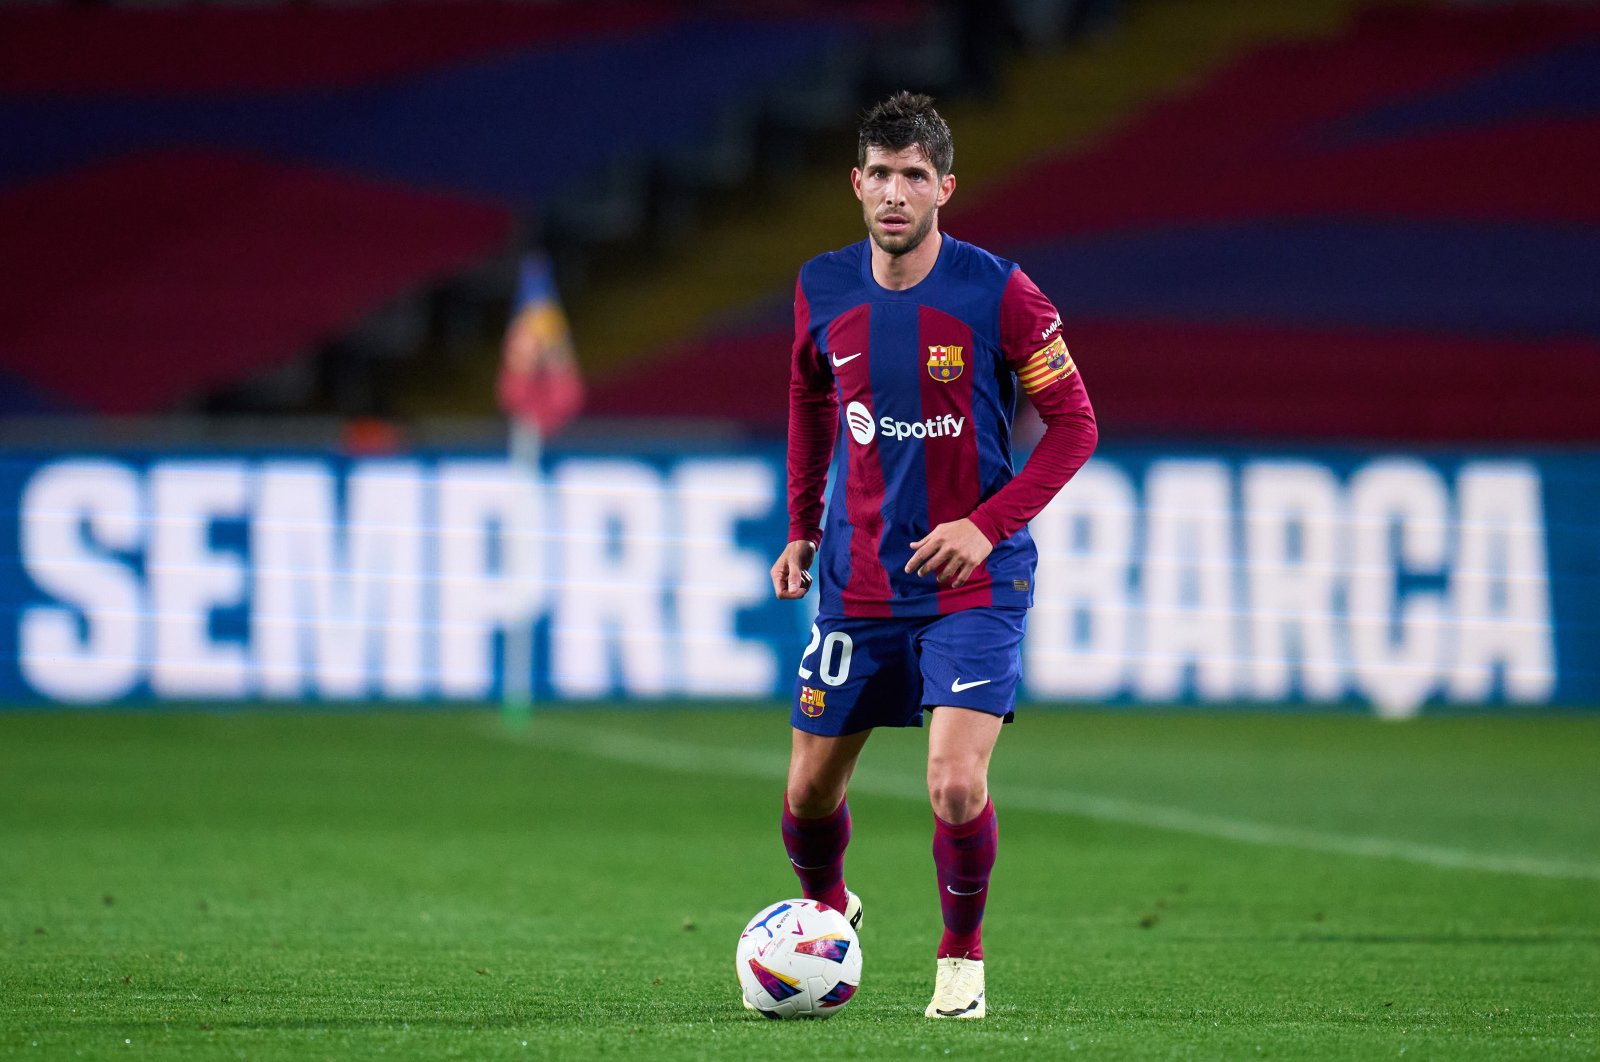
951, 551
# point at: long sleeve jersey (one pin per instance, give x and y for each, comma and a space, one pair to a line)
910, 396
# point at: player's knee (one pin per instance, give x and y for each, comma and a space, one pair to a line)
812, 799
957, 794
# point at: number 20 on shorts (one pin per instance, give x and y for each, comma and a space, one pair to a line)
835, 662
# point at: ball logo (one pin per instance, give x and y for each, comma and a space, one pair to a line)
859, 418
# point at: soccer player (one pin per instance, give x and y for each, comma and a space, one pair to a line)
915, 344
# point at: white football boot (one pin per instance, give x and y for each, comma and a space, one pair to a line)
852, 909
852, 914
958, 991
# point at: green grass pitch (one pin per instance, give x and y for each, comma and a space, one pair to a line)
272, 884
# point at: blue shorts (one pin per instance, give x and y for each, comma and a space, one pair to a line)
857, 674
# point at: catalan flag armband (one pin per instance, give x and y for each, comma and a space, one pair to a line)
1048, 365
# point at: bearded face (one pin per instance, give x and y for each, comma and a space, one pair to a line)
900, 197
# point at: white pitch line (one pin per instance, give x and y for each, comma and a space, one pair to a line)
687, 758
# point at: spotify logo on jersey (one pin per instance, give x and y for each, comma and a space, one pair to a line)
859, 418
864, 430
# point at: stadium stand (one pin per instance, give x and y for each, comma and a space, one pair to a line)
196, 195
1386, 233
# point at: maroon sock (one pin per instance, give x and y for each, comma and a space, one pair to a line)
816, 848
963, 856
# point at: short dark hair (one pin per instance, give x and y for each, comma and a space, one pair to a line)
904, 120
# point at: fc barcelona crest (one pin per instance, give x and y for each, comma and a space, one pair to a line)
812, 701
945, 364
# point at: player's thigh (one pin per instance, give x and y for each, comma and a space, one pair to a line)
857, 674
961, 742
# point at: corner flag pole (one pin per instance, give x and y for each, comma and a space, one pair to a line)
517, 674
540, 390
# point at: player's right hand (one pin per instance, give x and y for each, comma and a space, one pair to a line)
791, 576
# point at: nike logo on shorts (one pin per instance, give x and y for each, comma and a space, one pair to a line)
957, 686
838, 361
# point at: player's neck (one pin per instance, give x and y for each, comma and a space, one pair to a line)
899, 272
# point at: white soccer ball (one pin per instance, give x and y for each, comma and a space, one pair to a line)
798, 959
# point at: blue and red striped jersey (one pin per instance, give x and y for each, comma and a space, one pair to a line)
910, 396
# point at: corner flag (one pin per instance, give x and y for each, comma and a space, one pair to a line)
539, 385
540, 390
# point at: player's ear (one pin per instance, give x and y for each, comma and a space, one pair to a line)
855, 180
947, 188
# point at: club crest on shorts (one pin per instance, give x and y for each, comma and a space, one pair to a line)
945, 364
811, 701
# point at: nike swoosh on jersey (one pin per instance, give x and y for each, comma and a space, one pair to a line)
957, 686
838, 361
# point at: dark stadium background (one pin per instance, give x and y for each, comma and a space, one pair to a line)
1356, 238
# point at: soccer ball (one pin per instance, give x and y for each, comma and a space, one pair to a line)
798, 959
